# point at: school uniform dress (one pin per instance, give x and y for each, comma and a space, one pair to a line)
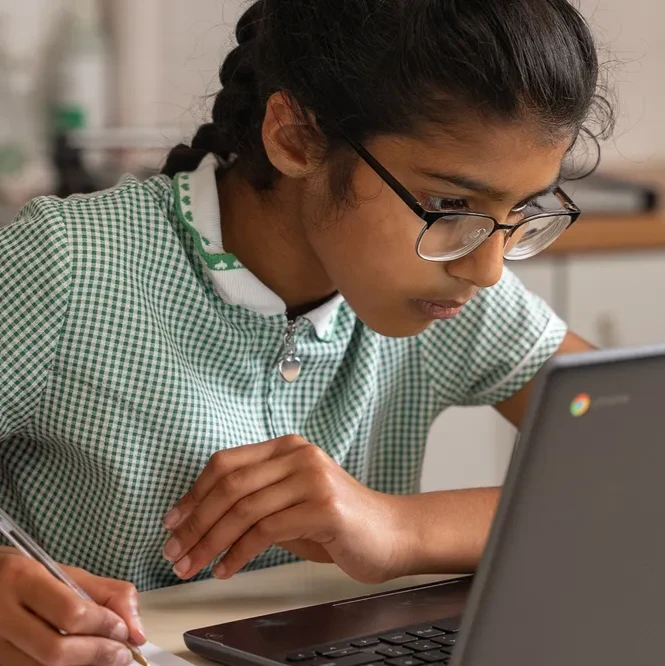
133, 347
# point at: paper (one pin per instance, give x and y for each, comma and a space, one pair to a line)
158, 657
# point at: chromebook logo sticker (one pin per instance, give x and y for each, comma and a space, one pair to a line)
580, 406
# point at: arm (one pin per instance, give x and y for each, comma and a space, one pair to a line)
34, 295
456, 544
514, 408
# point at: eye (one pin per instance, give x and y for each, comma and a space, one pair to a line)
528, 208
430, 202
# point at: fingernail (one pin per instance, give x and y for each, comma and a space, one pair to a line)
138, 623
183, 566
220, 571
172, 549
171, 519
119, 632
123, 657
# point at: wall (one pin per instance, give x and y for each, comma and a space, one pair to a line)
632, 35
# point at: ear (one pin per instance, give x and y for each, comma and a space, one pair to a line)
293, 144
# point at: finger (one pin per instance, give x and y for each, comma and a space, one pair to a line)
10, 654
296, 522
62, 608
242, 516
222, 464
120, 597
227, 493
45, 645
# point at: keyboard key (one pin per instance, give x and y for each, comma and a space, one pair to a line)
445, 640
331, 654
393, 651
332, 648
404, 661
445, 662
433, 656
425, 632
421, 646
359, 659
450, 625
396, 639
300, 656
365, 642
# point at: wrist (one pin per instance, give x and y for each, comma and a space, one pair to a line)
407, 536
442, 532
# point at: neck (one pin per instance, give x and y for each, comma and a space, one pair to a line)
265, 232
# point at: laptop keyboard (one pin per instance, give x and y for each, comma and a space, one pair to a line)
418, 645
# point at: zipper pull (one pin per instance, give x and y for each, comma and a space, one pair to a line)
290, 365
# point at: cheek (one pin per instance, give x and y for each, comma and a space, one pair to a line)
373, 245
369, 254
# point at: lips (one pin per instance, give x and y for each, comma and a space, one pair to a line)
439, 309
452, 305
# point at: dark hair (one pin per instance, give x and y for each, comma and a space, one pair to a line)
371, 67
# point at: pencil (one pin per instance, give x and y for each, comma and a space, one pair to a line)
29, 548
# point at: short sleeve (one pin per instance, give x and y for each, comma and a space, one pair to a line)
494, 347
35, 281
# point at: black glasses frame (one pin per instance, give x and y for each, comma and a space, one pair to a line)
430, 217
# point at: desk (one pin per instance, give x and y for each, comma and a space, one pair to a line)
169, 612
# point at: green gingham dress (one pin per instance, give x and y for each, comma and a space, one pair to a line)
132, 348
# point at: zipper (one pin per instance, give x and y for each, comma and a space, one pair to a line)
290, 365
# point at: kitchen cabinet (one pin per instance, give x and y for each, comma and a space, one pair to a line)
616, 300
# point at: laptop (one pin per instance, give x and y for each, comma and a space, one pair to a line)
574, 571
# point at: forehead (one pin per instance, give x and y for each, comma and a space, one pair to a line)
515, 159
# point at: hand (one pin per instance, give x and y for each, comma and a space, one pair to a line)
290, 493
34, 606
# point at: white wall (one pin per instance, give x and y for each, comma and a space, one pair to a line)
632, 34
198, 35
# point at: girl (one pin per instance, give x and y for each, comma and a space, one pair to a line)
247, 351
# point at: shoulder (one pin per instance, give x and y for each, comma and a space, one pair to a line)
130, 197
498, 342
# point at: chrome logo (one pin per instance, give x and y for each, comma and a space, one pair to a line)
580, 406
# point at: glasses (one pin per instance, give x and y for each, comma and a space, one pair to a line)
452, 234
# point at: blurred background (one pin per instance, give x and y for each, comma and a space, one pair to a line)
128, 78
90, 89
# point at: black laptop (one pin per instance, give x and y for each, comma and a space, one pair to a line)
574, 572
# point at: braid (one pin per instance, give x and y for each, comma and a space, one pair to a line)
236, 107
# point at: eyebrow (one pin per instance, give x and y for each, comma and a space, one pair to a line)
469, 183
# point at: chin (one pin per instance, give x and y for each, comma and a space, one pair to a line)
404, 326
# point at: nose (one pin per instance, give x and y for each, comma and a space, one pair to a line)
484, 266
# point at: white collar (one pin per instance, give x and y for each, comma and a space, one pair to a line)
198, 205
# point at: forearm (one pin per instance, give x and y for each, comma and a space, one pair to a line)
446, 532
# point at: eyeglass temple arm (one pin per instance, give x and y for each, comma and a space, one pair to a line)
567, 200
386, 176
406, 196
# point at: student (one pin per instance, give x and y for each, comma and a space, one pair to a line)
249, 349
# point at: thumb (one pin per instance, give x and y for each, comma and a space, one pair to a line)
116, 595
